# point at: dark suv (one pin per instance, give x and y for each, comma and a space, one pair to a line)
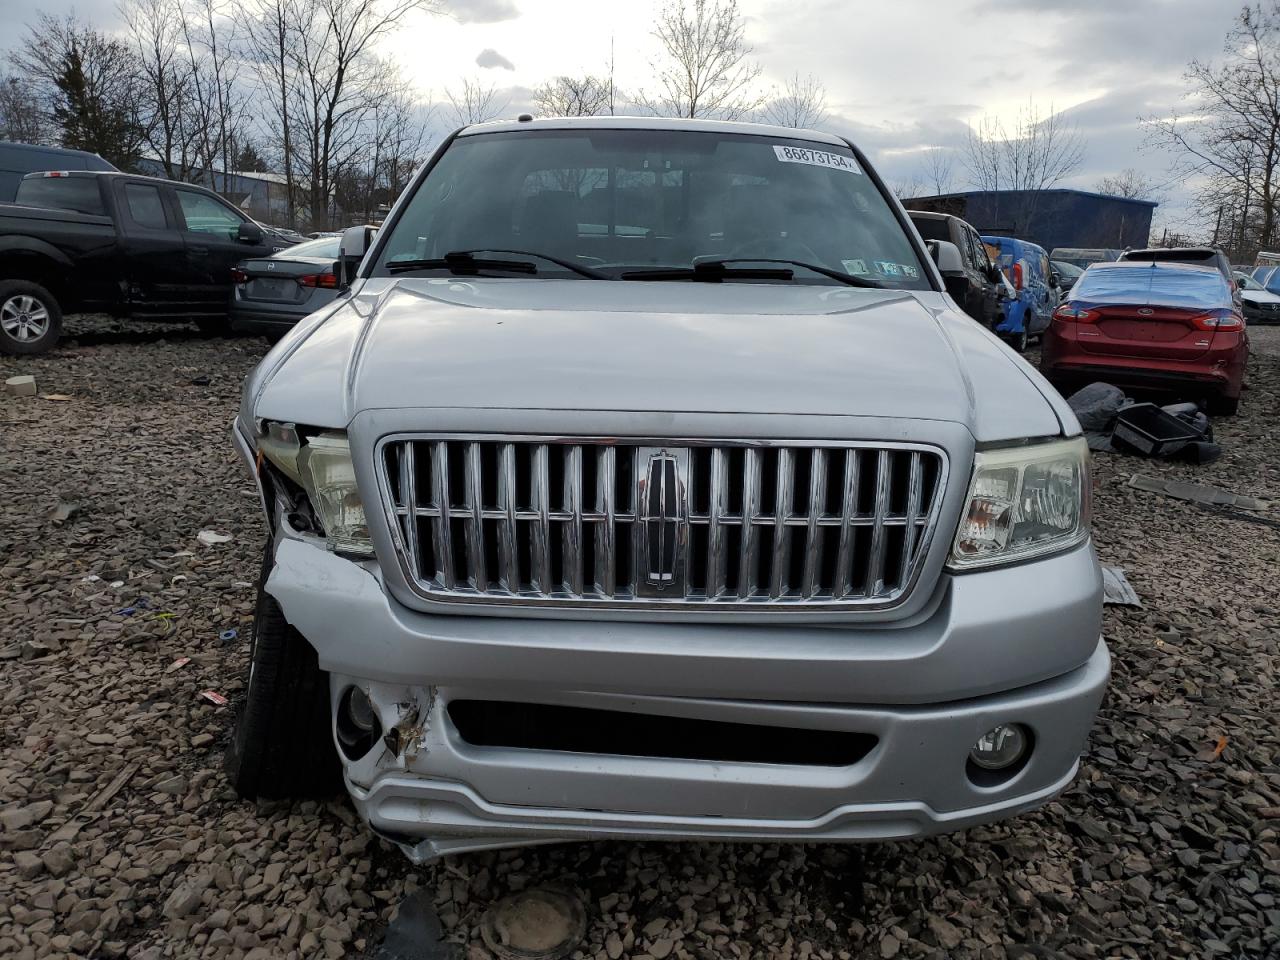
1204, 256
977, 287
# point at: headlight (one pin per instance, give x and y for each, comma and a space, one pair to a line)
1024, 502
322, 465
330, 481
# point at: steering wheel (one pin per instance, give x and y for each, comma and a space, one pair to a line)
775, 248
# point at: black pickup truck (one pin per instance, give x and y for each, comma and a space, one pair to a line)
90, 241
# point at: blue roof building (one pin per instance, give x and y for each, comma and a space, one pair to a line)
1051, 218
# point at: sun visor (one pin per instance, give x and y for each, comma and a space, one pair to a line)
1156, 285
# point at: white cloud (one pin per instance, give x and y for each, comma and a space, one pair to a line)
488, 58
481, 11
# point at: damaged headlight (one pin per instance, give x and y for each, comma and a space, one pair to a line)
321, 464
1024, 502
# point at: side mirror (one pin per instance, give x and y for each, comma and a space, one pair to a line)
995, 275
354, 245
250, 232
947, 257
1055, 280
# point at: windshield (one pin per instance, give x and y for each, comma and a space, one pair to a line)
619, 201
322, 247
1152, 285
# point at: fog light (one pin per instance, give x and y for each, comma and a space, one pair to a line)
360, 710
1000, 747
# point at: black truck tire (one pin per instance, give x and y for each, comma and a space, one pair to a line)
281, 747
30, 318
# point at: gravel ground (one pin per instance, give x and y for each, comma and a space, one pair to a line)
119, 836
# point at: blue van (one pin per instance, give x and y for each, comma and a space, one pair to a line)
1026, 266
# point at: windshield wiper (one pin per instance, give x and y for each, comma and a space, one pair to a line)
714, 271
558, 261
709, 271
465, 263
461, 263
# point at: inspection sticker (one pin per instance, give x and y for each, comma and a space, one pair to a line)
815, 158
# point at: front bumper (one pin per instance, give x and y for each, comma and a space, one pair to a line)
923, 689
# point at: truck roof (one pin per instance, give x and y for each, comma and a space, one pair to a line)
653, 123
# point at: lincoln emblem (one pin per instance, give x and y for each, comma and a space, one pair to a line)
661, 497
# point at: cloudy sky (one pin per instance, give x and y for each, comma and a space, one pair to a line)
900, 77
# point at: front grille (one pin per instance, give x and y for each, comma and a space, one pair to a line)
613, 523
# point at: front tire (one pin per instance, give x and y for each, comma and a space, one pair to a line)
281, 746
30, 318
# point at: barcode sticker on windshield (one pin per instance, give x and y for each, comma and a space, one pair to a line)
815, 158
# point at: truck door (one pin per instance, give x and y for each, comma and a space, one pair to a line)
153, 256
986, 302
212, 249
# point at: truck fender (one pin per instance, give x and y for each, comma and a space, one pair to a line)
34, 245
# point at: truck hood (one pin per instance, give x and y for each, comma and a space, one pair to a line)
663, 347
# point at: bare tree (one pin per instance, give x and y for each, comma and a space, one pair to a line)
1230, 141
156, 35
802, 103
23, 118
473, 102
939, 170
706, 70
584, 96
1129, 183
88, 84
1037, 152
337, 81
270, 29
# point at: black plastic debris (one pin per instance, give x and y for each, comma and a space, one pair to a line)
1096, 406
1151, 431
415, 933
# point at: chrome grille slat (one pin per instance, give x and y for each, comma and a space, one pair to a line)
572, 541
748, 566
848, 511
441, 535
540, 541
508, 534
783, 498
531, 520
875, 563
606, 566
717, 507
814, 531
475, 523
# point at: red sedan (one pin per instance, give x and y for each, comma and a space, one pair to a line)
1168, 326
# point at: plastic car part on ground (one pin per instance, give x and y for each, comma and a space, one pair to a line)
1113, 423
1195, 492
1116, 589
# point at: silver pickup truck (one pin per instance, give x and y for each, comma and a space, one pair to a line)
646, 483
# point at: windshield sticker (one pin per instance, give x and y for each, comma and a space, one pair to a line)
888, 268
910, 271
854, 266
815, 158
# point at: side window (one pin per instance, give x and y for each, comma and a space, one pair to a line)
146, 208
977, 252
206, 215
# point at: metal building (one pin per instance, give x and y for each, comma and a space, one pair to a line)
1051, 218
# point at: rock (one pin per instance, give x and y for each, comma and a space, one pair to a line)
59, 861
29, 865
24, 386
186, 896
172, 786
947, 933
